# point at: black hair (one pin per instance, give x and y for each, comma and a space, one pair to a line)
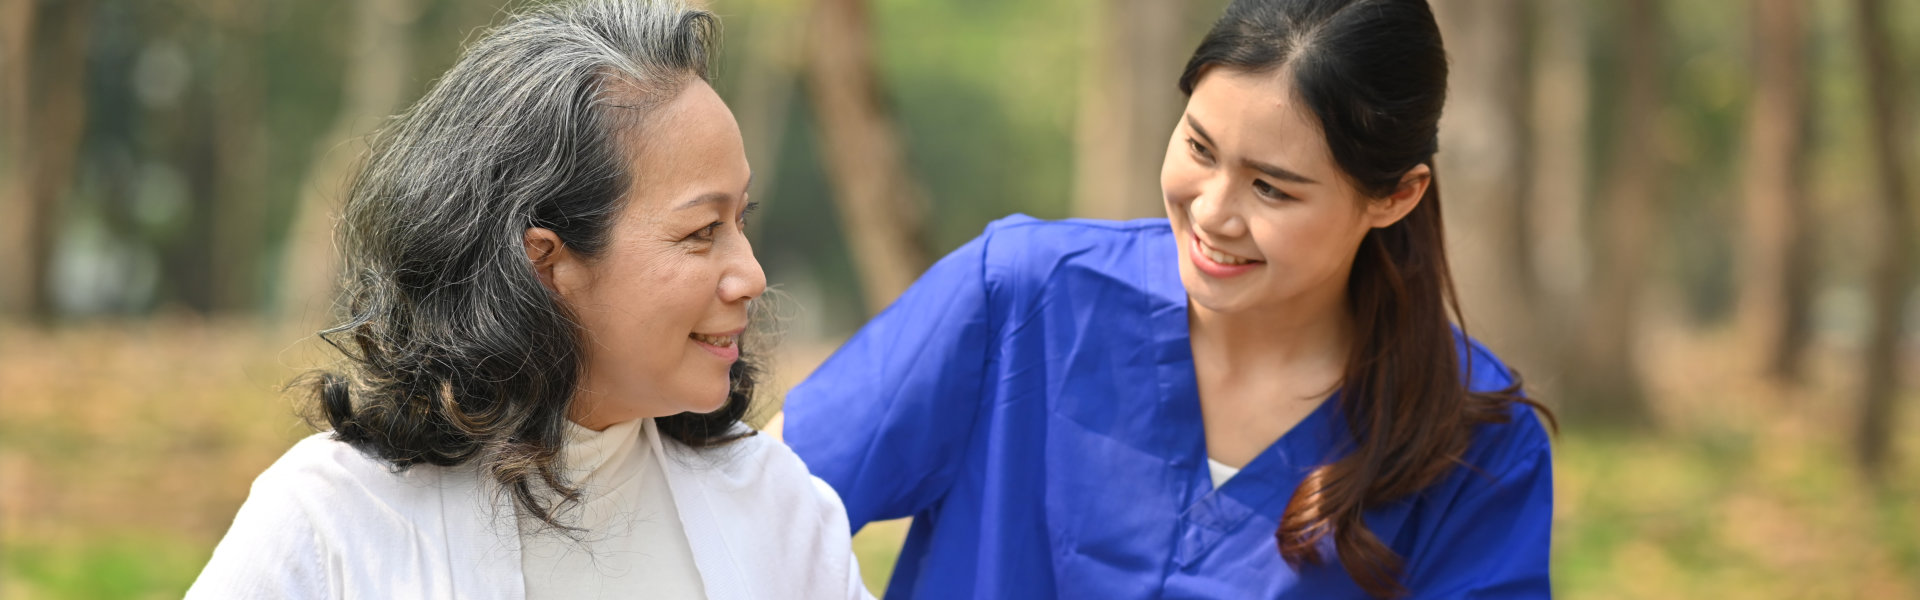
1374, 75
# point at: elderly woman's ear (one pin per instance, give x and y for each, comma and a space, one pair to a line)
552, 262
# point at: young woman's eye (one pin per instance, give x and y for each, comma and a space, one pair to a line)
1266, 190
1198, 150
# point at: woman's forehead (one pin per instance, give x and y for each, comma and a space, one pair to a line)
1259, 115
690, 147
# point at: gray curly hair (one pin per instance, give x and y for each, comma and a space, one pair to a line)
454, 351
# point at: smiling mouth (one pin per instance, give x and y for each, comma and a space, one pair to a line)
718, 341
1219, 257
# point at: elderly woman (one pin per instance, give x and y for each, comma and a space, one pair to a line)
548, 281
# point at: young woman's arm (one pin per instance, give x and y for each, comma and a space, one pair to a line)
886, 420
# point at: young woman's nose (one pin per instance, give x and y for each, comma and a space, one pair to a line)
1215, 211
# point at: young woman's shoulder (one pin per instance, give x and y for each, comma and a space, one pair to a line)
1488, 525
1023, 240
1522, 438
1022, 257
1021, 224
1519, 443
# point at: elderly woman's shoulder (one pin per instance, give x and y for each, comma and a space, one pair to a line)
751, 458
320, 499
757, 465
324, 473
758, 498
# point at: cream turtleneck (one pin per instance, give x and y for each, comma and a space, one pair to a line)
633, 545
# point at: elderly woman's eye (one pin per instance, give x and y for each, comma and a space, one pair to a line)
705, 234
748, 211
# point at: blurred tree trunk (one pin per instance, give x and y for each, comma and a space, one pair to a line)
880, 204
48, 110
766, 82
1129, 103
1777, 271
1893, 271
240, 150
379, 62
1561, 82
1557, 192
1604, 387
17, 288
1481, 171
188, 263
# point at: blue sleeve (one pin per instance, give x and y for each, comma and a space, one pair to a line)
1484, 371
1492, 541
886, 419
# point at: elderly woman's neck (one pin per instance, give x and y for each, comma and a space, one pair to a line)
597, 411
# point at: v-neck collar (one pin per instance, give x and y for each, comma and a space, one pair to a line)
1267, 482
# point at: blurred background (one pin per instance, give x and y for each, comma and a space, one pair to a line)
1689, 223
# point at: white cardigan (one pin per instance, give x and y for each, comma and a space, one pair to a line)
327, 522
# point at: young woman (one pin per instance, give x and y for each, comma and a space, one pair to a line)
1260, 396
548, 281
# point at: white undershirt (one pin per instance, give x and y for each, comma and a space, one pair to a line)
1220, 472
633, 545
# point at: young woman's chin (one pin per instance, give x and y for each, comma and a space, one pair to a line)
1226, 304
1225, 297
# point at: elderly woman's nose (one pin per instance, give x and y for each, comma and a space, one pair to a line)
744, 279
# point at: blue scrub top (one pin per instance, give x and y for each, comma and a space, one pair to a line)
1031, 403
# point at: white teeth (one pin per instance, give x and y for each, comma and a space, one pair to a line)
1223, 258
713, 340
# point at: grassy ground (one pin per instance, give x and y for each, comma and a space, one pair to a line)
125, 449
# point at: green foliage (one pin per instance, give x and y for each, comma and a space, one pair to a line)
121, 566
1725, 515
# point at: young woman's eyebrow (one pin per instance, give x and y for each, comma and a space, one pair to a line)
1271, 170
1277, 172
1195, 124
